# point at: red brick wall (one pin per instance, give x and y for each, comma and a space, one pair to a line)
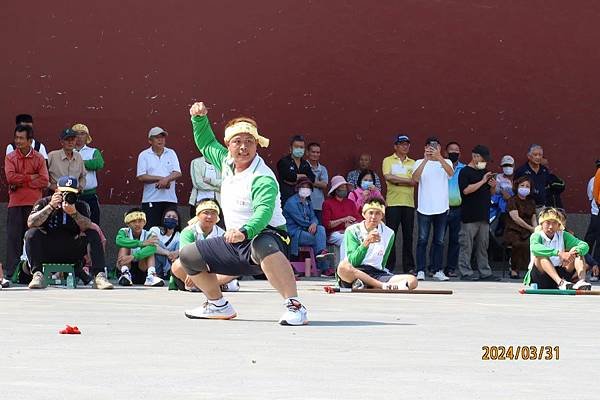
349, 74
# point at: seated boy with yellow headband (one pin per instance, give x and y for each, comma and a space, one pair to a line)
203, 226
368, 245
136, 251
556, 255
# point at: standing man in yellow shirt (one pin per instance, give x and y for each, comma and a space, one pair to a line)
397, 171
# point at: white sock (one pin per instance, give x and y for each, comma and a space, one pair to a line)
219, 302
124, 269
151, 271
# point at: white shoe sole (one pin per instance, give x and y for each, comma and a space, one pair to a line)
286, 323
219, 317
157, 284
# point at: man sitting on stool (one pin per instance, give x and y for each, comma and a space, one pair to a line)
368, 245
60, 231
557, 255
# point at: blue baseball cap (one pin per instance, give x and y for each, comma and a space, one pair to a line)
68, 184
402, 139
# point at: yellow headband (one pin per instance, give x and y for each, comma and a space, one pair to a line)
373, 206
552, 214
134, 216
203, 206
83, 128
245, 127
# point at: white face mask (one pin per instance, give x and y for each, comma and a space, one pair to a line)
304, 192
481, 165
507, 170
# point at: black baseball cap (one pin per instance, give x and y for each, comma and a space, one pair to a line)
483, 151
67, 133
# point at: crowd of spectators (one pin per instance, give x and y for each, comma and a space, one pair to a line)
54, 211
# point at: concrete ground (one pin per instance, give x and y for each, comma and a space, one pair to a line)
137, 344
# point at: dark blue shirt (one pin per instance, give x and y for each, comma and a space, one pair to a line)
540, 181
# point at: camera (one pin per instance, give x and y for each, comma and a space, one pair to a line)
70, 197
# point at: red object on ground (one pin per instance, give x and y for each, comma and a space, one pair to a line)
70, 330
329, 289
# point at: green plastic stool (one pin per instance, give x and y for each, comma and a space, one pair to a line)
50, 269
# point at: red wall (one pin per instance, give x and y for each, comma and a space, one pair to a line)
349, 74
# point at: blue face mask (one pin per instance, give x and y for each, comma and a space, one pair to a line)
170, 223
297, 152
365, 185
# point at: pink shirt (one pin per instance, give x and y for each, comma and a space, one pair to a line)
357, 197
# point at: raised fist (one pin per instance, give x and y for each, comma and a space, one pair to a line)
198, 109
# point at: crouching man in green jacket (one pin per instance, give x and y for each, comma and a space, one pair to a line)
255, 241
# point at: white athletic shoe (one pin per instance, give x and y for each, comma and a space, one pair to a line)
295, 314
153, 280
125, 279
233, 286
210, 311
582, 285
5, 283
440, 276
420, 276
565, 285
358, 284
594, 279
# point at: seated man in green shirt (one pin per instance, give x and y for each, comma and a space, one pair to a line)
203, 226
557, 255
368, 245
136, 247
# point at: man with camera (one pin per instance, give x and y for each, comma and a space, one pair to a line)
60, 232
432, 173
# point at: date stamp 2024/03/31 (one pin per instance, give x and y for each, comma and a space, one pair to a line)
531, 353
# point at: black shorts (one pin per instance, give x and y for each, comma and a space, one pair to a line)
236, 258
381, 276
544, 281
138, 277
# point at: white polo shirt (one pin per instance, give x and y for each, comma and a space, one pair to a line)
151, 164
433, 188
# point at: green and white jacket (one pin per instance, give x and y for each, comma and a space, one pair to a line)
249, 199
376, 254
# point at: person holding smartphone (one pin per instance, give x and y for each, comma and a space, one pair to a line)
476, 185
432, 173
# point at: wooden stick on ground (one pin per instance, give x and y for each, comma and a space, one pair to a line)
331, 290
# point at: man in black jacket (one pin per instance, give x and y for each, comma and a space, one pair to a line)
293, 167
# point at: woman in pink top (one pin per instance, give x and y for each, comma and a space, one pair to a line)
365, 189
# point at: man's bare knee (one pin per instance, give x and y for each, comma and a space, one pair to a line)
345, 270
